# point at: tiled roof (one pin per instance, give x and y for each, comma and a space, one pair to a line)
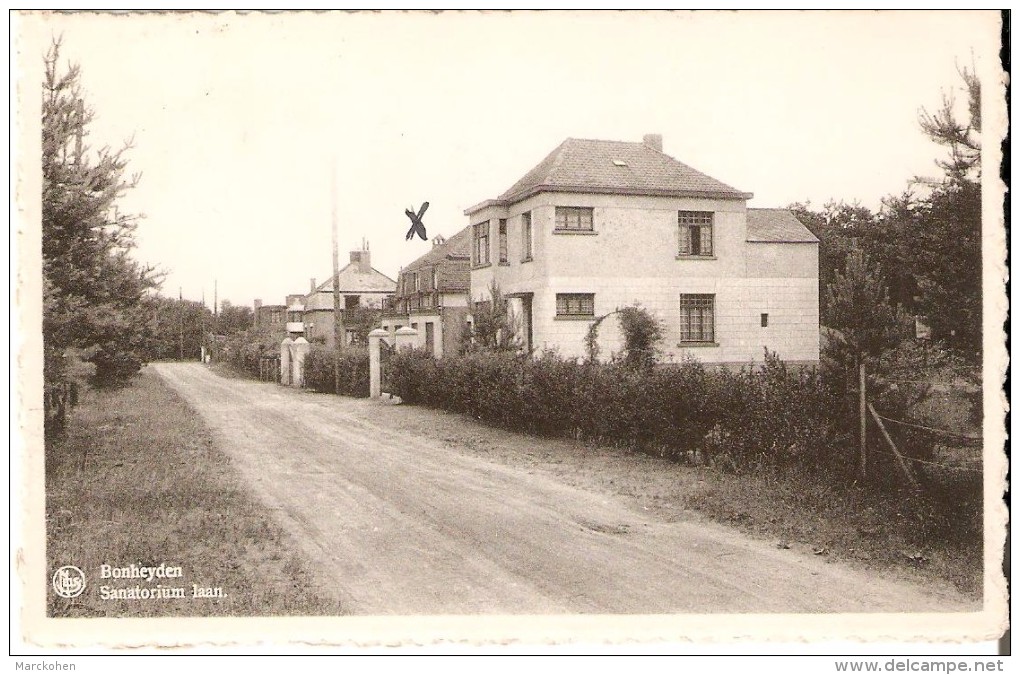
351, 281
453, 259
776, 225
614, 167
457, 246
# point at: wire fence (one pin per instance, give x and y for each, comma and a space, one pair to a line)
962, 465
949, 467
931, 383
946, 432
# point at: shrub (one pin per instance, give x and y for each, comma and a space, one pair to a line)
765, 415
641, 333
246, 349
353, 365
495, 327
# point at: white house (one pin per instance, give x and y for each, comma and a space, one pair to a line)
598, 225
361, 287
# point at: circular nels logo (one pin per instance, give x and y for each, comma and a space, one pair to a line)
69, 581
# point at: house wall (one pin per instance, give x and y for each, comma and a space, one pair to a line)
790, 260
323, 300
318, 325
791, 303
391, 323
454, 320
630, 233
632, 257
448, 325
454, 299
418, 321
318, 314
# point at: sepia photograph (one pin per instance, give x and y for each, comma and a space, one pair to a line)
408, 327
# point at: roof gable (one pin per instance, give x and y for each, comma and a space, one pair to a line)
456, 247
452, 259
614, 167
778, 226
351, 280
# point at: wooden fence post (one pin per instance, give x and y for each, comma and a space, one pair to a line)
889, 440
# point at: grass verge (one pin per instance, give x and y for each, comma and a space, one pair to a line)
901, 532
137, 480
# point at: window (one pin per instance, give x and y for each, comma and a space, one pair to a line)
575, 304
764, 320
481, 251
503, 256
695, 233
574, 219
526, 236
352, 301
417, 281
697, 318
435, 278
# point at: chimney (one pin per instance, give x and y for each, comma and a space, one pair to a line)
258, 306
363, 259
653, 141
438, 240
313, 285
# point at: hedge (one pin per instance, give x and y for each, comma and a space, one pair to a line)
246, 349
353, 363
765, 414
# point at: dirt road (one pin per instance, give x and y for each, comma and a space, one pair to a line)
398, 522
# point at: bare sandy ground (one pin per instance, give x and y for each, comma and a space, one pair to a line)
403, 510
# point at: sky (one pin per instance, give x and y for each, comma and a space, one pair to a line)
236, 120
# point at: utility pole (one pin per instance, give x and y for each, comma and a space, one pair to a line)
216, 307
180, 323
337, 320
204, 337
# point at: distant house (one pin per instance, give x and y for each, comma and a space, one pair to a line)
432, 295
361, 287
599, 225
270, 316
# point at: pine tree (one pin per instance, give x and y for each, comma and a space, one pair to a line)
859, 308
96, 300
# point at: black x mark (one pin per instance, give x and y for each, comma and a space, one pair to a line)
417, 227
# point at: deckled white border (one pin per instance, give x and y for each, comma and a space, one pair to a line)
30, 34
